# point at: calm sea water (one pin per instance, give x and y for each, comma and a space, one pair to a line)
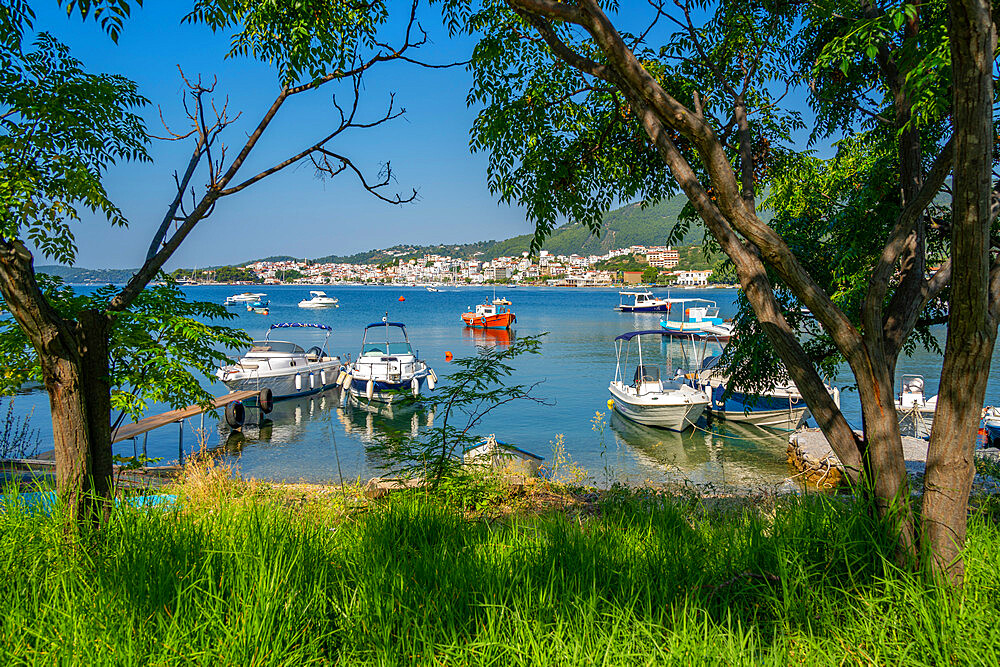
314, 439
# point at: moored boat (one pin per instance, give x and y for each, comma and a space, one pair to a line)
641, 302
781, 407
646, 398
284, 367
489, 316
245, 298
914, 410
319, 299
387, 370
694, 315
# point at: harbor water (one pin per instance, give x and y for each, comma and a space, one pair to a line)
314, 439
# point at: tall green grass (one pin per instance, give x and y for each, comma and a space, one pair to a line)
645, 581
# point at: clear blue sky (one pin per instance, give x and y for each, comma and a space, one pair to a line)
293, 212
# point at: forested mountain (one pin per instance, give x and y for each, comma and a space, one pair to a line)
621, 228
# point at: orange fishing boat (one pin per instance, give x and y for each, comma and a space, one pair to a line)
489, 316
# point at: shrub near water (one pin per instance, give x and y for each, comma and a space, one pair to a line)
645, 581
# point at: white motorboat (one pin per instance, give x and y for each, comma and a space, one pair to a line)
319, 299
387, 370
648, 399
244, 298
284, 367
781, 407
640, 302
697, 315
432, 289
914, 411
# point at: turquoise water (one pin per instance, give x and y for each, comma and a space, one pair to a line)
309, 437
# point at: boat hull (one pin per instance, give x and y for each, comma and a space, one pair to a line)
657, 308
777, 412
673, 416
499, 321
388, 392
283, 386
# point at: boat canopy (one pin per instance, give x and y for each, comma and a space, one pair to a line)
712, 303
295, 325
386, 324
656, 332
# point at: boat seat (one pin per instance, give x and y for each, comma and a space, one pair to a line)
646, 374
260, 348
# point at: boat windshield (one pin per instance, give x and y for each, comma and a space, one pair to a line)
271, 346
380, 348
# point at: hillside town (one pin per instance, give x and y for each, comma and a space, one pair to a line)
643, 264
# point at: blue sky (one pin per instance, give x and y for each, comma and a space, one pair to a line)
293, 212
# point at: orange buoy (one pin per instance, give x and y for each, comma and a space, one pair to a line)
402, 298
448, 356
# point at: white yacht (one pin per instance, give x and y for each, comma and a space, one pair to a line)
914, 411
319, 299
387, 370
244, 298
640, 302
284, 367
646, 398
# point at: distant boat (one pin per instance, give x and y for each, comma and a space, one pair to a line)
489, 316
432, 289
501, 302
641, 302
319, 299
244, 298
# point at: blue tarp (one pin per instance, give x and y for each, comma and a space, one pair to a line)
386, 324
44, 501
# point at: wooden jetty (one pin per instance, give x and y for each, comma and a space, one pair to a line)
144, 476
147, 424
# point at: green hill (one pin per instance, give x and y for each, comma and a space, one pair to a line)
621, 228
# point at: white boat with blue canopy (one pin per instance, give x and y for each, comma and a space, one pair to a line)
642, 395
780, 407
694, 315
387, 369
284, 367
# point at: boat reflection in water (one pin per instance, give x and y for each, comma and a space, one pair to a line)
316, 439
489, 337
291, 421
376, 423
725, 454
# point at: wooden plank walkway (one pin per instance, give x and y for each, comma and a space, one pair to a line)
129, 431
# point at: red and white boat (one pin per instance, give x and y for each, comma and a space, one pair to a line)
489, 316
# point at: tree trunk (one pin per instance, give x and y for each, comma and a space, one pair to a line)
74, 362
971, 328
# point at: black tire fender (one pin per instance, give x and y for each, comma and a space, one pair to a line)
236, 414
265, 399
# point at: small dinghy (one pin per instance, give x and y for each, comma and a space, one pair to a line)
497, 454
643, 396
